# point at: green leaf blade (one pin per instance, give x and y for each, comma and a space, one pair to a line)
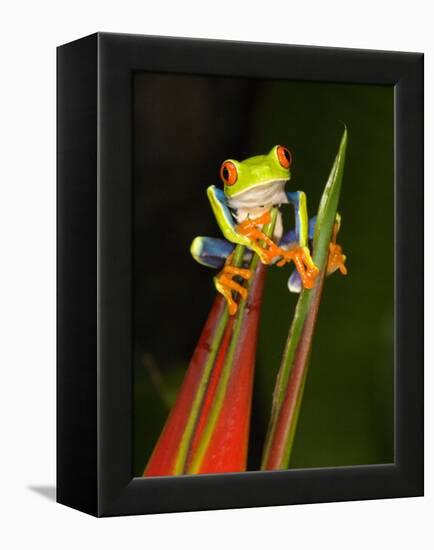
291, 377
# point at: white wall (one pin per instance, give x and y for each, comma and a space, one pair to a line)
29, 33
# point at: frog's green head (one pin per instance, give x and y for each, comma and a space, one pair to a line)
256, 178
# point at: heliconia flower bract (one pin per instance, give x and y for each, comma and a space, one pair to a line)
207, 430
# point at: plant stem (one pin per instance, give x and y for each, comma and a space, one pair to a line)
196, 461
292, 374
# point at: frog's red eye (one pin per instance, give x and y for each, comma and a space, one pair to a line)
228, 173
284, 156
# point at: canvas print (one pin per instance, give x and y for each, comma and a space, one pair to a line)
263, 274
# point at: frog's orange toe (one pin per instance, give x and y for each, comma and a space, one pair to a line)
336, 259
225, 284
303, 262
308, 277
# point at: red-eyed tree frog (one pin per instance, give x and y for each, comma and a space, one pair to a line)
251, 188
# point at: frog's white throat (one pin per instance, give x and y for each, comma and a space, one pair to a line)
264, 196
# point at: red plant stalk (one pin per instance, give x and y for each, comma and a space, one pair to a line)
221, 440
163, 458
208, 428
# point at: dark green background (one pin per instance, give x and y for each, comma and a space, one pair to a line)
184, 127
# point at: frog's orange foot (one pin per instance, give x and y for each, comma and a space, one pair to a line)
268, 255
260, 242
250, 224
302, 259
225, 284
336, 259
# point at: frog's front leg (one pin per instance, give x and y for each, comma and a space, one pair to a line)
247, 233
298, 201
265, 247
300, 253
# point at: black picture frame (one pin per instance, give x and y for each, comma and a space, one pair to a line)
94, 422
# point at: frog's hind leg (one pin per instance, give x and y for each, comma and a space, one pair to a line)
214, 252
211, 252
289, 240
217, 253
336, 259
